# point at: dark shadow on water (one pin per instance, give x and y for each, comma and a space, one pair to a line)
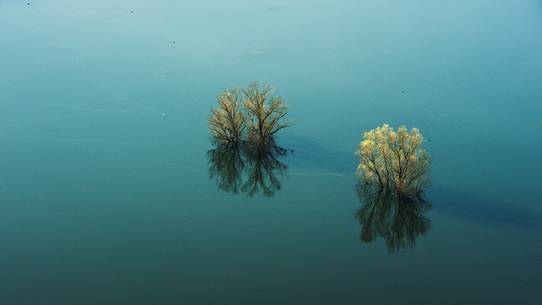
237, 170
399, 221
311, 153
483, 210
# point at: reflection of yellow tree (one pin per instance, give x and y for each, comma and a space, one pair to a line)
398, 220
251, 173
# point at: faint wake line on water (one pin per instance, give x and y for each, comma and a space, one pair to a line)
145, 109
91, 109
38, 122
54, 139
149, 108
82, 113
152, 109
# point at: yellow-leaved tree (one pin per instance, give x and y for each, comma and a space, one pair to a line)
394, 160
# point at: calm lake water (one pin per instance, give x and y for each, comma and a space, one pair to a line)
108, 194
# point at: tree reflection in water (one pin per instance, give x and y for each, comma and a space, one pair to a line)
226, 165
247, 171
399, 221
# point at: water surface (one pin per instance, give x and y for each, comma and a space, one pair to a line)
103, 200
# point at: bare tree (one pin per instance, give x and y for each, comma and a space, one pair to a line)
265, 113
227, 121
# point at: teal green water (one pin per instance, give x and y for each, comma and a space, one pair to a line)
104, 200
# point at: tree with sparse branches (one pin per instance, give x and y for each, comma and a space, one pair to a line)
227, 122
265, 113
250, 116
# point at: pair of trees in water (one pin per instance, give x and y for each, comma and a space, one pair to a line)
248, 118
393, 168
243, 128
